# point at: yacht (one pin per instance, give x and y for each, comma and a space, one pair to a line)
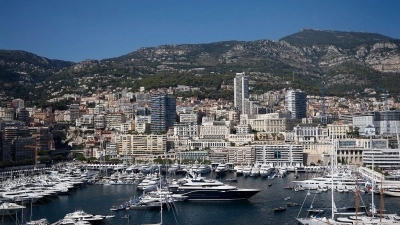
255, 171
341, 181
247, 171
265, 170
196, 187
9, 208
239, 170
221, 169
80, 215
395, 192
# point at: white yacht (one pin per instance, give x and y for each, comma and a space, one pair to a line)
341, 181
247, 170
9, 208
239, 170
80, 215
221, 169
255, 171
265, 170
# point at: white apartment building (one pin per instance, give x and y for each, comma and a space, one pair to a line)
243, 129
142, 145
99, 122
215, 130
271, 123
85, 120
186, 130
279, 155
213, 144
383, 158
241, 139
114, 120
125, 127
111, 150
241, 90
310, 134
188, 118
242, 155
142, 123
339, 131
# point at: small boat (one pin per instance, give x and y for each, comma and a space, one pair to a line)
287, 198
279, 209
287, 187
110, 216
269, 185
291, 204
316, 211
231, 180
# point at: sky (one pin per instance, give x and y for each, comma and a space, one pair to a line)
75, 30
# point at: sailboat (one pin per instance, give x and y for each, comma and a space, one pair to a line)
353, 219
161, 204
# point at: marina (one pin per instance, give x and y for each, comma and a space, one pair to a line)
273, 194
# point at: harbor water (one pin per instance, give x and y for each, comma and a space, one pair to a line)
97, 199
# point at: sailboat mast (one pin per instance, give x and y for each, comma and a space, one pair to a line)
372, 189
332, 155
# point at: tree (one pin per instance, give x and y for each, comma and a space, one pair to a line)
80, 157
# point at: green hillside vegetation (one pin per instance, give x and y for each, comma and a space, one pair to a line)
340, 39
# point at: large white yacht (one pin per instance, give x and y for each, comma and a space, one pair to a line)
341, 181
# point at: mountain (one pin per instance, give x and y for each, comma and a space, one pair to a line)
348, 62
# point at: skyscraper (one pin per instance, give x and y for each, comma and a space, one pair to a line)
163, 109
296, 103
241, 90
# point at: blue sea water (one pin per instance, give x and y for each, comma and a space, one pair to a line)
97, 199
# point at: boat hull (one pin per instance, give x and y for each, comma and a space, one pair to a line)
213, 195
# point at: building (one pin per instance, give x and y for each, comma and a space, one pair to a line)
241, 91
73, 112
163, 112
99, 122
215, 130
18, 103
383, 158
114, 120
242, 155
296, 103
142, 145
188, 118
279, 155
189, 130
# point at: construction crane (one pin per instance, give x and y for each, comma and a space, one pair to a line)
36, 147
323, 116
385, 95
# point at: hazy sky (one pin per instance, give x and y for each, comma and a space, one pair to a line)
85, 29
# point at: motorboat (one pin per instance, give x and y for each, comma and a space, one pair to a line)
10, 208
221, 169
279, 209
80, 215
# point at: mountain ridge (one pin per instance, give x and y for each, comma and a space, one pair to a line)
348, 61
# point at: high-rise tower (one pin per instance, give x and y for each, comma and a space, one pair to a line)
241, 90
163, 110
296, 103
